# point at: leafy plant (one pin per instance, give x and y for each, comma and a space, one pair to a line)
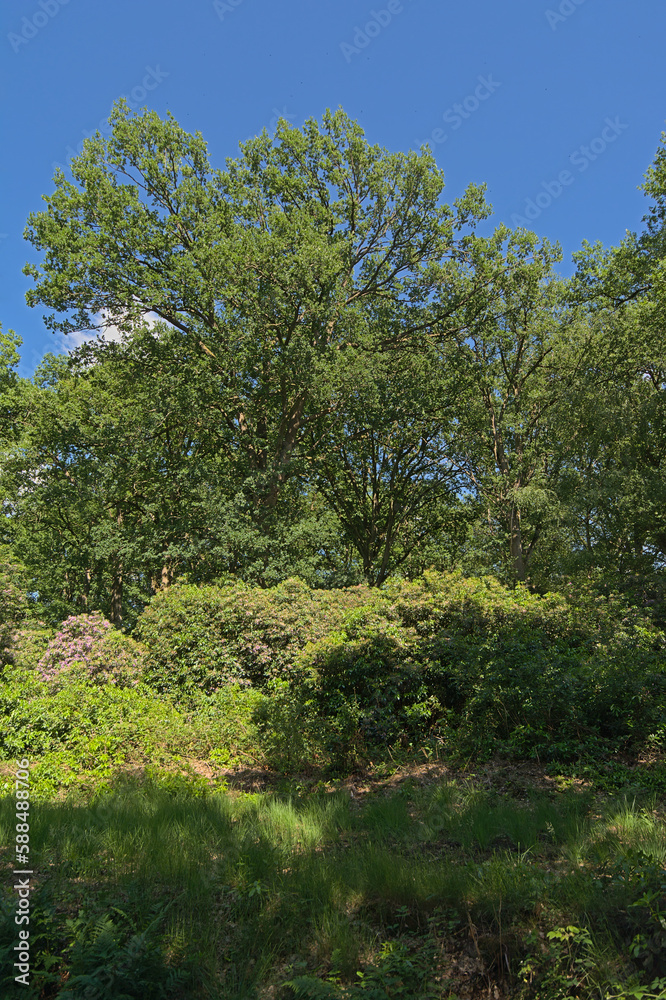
397, 972
109, 957
205, 637
88, 646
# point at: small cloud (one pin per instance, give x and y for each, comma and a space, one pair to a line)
69, 342
107, 332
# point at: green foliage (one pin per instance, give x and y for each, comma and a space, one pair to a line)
121, 480
305, 678
110, 957
203, 637
521, 351
280, 283
87, 646
81, 734
396, 973
9, 359
288, 730
385, 466
102, 954
493, 668
295, 735
484, 666
345, 382
30, 643
566, 965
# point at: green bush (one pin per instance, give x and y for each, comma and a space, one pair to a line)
288, 730
497, 668
380, 675
200, 638
29, 643
88, 647
294, 735
303, 677
81, 731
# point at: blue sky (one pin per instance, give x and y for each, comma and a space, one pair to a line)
558, 105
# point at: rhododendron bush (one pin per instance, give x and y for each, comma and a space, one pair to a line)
89, 647
202, 638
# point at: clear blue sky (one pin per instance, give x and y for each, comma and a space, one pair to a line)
544, 88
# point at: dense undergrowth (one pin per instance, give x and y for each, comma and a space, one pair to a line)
155, 877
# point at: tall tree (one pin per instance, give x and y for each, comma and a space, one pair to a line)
120, 481
9, 359
518, 349
265, 268
626, 285
110, 474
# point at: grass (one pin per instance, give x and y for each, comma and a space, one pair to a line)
444, 887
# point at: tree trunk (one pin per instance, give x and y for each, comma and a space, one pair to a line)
117, 593
517, 545
86, 587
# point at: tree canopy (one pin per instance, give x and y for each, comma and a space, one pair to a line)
324, 370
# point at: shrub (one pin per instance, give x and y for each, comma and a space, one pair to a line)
288, 729
496, 668
82, 732
201, 638
502, 668
379, 677
88, 646
29, 644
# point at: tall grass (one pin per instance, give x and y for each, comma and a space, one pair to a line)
237, 890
